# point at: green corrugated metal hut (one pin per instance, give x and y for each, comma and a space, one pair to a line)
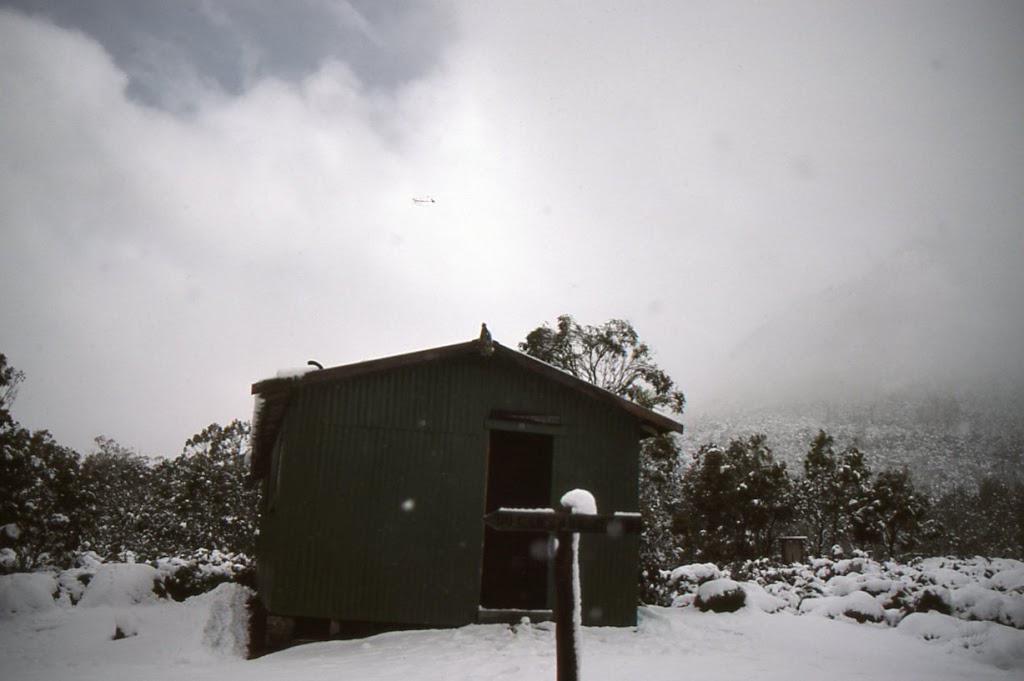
377, 475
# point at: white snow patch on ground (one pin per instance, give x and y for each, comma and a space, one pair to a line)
129, 634
174, 641
162, 640
986, 642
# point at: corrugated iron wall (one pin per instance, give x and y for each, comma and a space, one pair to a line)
382, 480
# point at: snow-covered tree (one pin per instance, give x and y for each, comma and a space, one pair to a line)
39, 498
118, 501
660, 484
736, 501
830, 494
10, 379
964, 519
896, 514
613, 357
209, 500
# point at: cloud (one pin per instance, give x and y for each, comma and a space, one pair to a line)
696, 170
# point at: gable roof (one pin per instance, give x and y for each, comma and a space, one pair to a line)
273, 394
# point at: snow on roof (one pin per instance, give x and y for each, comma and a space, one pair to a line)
294, 372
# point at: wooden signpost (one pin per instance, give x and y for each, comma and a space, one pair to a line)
563, 525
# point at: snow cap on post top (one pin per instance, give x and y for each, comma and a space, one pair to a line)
580, 501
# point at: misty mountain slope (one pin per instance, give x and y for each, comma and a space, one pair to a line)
919, 361
935, 313
944, 440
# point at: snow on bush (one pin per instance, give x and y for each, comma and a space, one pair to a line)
73, 582
933, 598
1008, 580
8, 560
95, 583
202, 572
720, 595
120, 584
856, 605
865, 590
696, 574
27, 592
759, 598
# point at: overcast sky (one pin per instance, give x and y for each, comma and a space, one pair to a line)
195, 194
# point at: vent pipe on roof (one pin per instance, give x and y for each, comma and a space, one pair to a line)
486, 342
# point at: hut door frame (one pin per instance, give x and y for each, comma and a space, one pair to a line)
515, 565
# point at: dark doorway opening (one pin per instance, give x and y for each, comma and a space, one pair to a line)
514, 574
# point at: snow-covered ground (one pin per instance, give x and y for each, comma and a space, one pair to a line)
203, 638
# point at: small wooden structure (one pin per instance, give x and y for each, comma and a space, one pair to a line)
792, 549
563, 526
376, 476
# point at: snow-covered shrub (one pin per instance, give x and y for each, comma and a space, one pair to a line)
8, 561
119, 584
682, 582
203, 571
856, 605
760, 598
73, 583
1011, 579
655, 587
933, 598
869, 591
720, 595
858, 564
27, 592
695, 574
791, 583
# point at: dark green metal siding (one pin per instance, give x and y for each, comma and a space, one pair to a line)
377, 516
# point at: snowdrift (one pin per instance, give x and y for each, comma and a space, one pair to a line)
825, 620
